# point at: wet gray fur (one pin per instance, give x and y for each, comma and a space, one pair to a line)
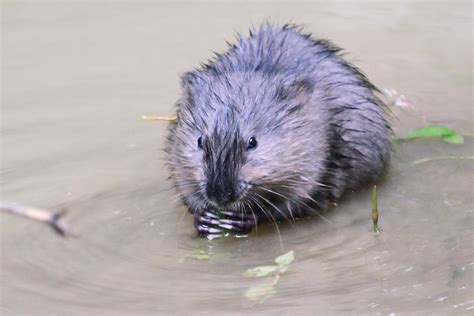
320, 128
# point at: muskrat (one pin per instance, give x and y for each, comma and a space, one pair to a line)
276, 128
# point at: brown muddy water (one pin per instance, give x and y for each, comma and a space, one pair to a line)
77, 76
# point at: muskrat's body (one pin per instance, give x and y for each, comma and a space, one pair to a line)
276, 128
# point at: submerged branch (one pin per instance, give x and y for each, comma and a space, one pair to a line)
54, 220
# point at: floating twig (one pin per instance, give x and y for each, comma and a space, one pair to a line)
375, 210
423, 160
54, 220
159, 118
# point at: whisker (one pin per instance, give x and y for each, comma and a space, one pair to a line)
276, 208
181, 219
269, 215
302, 201
281, 195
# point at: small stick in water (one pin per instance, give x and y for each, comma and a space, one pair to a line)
54, 220
375, 210
159, 118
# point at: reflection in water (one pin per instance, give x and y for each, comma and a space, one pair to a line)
78, 78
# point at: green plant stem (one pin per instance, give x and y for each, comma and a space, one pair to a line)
375, 210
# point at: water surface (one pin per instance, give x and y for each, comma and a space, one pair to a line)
78, 76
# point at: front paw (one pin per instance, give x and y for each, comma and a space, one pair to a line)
209, 222
236, 222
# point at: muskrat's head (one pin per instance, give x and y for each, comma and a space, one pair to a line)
244, 139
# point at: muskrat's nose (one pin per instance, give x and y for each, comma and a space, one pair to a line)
221, 194
226, 197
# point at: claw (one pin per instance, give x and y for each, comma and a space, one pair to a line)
204, 229
213, 230
213, 236
209, 224
238, 226
227, 226
227, 213
210, 214
208, 221
228, 221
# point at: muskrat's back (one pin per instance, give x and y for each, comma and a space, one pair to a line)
277, 127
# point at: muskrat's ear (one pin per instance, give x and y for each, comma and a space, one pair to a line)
295, 94
296, 89
301, 87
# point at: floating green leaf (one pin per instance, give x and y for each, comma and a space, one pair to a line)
202, 256
260, 271
436, 131
454, 139
285, 259
197, 254
261, 292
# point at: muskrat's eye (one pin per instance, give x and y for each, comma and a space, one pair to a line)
252, 143
200, 142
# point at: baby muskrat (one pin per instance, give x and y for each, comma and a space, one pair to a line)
276, 128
